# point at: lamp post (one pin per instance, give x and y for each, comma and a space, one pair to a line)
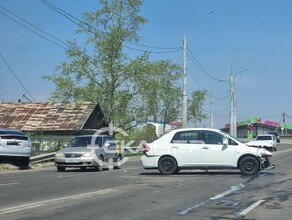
233, 118
185, 100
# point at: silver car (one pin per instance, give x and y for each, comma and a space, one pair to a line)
96, 151
15, 146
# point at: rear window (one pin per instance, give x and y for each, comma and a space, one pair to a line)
17, 137
264, 138
11, 132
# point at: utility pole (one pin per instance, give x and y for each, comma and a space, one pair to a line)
233, 128
185, 98
184, 104
212, 113
233, 118
184, 101
282, 121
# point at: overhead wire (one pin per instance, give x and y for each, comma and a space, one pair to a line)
92, 29
16, 77
69, 47
198, 84
39, 29
70, 17
195, 61
59, 45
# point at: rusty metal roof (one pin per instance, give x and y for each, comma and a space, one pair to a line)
45, 116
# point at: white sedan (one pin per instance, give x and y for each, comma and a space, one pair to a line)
203, 148
267, 141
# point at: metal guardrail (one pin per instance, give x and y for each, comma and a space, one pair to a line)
42, 158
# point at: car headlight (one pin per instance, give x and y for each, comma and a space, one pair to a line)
89, 154
59, 155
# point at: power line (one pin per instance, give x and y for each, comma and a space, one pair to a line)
17, 78
200, 67
158, 48
34, 26
70, 17
59, 45
198, 84
156, 52
93, 29
69, 46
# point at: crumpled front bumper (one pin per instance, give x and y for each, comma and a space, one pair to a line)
266, 162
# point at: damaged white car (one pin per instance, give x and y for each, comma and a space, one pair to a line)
203, 148
267, 141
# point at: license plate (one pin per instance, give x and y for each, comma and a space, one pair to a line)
72, 160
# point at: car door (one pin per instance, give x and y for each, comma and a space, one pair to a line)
214, 153
109, 145
185, 146
98, 146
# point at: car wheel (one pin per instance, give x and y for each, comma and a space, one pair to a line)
25, 161
167, 165
61, 169
118, 162
99, 167
249, 165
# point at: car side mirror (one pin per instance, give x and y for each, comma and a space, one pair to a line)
225, 141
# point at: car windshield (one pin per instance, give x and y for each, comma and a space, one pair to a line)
234, 138
81, 142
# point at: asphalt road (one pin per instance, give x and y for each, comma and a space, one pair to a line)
133, 193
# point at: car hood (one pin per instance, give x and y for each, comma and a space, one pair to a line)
259, 150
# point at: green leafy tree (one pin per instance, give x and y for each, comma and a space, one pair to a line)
195, 112
160, 92
99, 70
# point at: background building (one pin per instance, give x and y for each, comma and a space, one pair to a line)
255, 126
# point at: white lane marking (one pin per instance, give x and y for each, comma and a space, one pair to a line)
253, 206
9, 184
232, 189
46, 202
218, 196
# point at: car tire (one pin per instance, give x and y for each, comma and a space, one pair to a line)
249, 165
177, 170
99, 166
61, 169
167, 165
25, 161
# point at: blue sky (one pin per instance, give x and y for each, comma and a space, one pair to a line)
254, 35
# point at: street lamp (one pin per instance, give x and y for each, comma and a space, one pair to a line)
233, 118
184, 101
